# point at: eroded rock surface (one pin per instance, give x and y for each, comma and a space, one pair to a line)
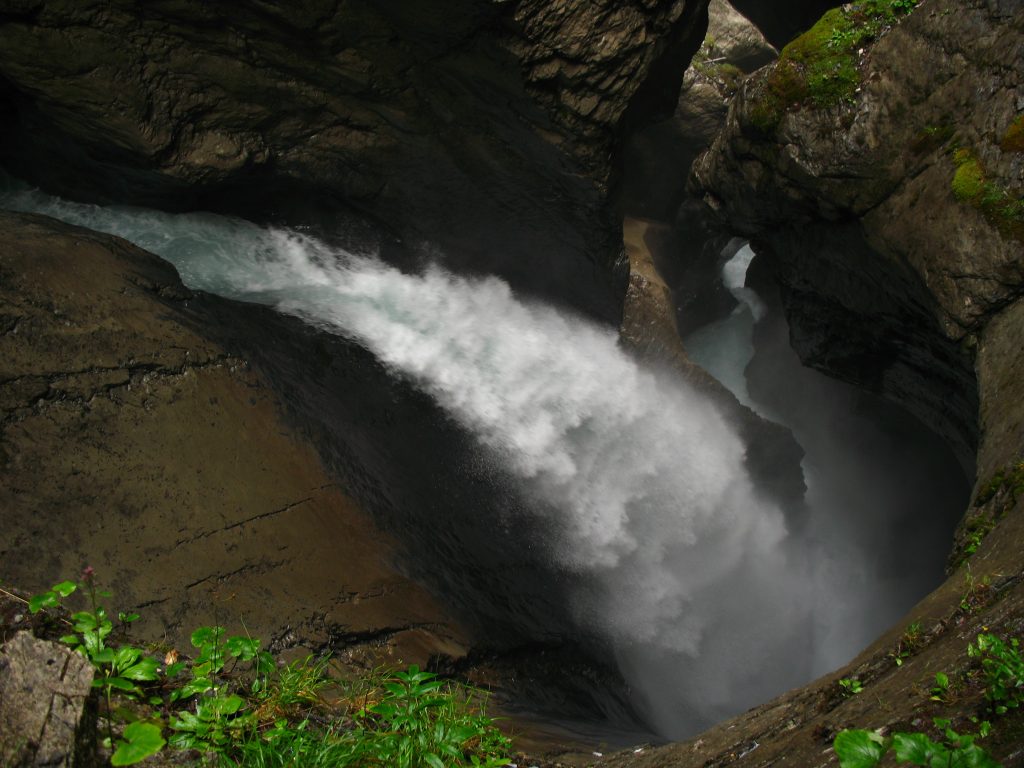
487, 129
134, 443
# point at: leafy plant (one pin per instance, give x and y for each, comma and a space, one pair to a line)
857, 748
118, 669
940, 690
406, 719
1004, 671
419, 722
850, 686
907, 644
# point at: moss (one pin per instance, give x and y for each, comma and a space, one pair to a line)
1010, 479
1001, 208
821, 65
969, 181
1013, 139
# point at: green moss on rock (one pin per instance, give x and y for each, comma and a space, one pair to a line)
821, 66
1013, 139
1002, 208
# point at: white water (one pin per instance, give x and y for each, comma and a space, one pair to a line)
683, 567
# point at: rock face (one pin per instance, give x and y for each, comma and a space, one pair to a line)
653, 186
878, 217
484, 128
44, 717
134, 442
890, 269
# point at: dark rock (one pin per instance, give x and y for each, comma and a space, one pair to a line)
782, 20
45, 718
657, 159
485, 129
886, 275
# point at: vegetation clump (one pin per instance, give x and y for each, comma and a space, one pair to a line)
821, 66
1000, 207
1002, 668
1013, 139
235, 705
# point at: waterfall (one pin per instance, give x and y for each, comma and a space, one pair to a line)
677, 563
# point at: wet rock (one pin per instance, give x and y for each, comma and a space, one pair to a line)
44, 717
134, 441
486, 129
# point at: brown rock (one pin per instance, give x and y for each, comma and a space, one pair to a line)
133, 442
44, 720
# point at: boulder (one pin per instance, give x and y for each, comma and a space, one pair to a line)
44, 714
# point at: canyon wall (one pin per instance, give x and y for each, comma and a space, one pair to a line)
485, 130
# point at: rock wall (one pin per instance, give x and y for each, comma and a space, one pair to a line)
486, 129
889, 273
134, 442
889, 221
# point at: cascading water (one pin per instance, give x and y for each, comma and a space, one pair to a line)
675, 561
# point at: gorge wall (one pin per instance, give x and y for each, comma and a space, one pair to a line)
891, 219
487, 129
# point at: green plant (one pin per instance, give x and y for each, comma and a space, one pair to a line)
118, 669
408, 719
1013, 139
850, 686
822, 65
420, 721
1004, 671
858, 748
1000, 207
907, 644
940, 691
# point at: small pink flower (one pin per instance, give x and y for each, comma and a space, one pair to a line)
87, 573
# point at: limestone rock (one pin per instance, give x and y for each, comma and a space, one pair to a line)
44, 720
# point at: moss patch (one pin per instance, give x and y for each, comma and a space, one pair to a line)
821, 66
1013, 139
1001, 207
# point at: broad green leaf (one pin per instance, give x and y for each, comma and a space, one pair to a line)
126, 656
206, 636
173, 669
433, 760
243, 648
942, 680
46, 600
102, 655
858, 748
146, 669
916, 748
140, 741
127, 618
973, 756
70, 639
65, 588
120, 683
